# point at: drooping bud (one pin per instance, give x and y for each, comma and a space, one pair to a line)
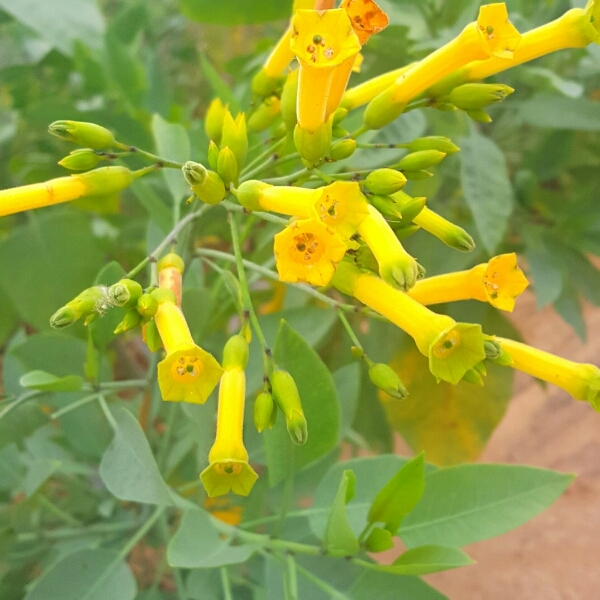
387, 380
207, 185
423, 159
85, 134
474, 96
235, 353
452, 235
81, 159
213, 155
91, 302
227, 166
235, 136
287, 397
432, 142
147, 306
342, 149
130, 321
213, 122
265, 114
265, 412
125, 293
64, 317
385, 181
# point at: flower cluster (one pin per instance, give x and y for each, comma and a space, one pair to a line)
341, 229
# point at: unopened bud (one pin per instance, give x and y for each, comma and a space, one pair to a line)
130, 321
125, 293
409, 207
85, 134
387, 380
81, 159
474, 96
313, 145
171, 260
213, 155
235, 137
207, 185
64, 317
249, 192
264, 85
106, 180
357, 352
342, 149
147, 306
194, 173
235, 353
285, 393
432, 142
479, 115
297, 428
265, 412
403, 231
91, 300
288, 100
339, 115
227, 166
265, 114
386, 206
213, 121
473, 377
151, 336
385, 181
423, 159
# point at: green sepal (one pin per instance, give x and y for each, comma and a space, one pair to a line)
219, 484
227, 167
152, 336
479, 115
81, 159
130, 321
379, 540
235, 353
313, 145
82, 133
387, 380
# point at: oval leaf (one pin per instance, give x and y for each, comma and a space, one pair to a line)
41, 380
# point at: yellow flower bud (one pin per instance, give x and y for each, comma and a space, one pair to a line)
170, 269
85, 134
213, 155
342, 149
207, 185
452, 235
227, 166
387, 380
265, 114
147, 306
287, 397
432, 142
235, 136
423, 159
81, 159
473, 96
131, 320
92, 301
265, 412
213, 121
385, 181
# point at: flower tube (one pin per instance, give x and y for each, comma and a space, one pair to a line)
188, 373
499, 281
491, 35
581, 380
229, 469
453, 348
100, 182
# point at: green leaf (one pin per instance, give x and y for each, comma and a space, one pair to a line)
339, 539
172, 143
60, 23
198, 545
547, 278
486, 187
47, 262
568, 306
88, 574
203, 584
236, 12
423, 560
157, 209
468, 503
559, 112
400, 495
319, 402
41, 380
347, 384
128, 468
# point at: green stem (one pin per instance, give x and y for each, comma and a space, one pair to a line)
323, 176
163, 162
260, 162
362, 129
268, 362
65, 533
161, 457
18, 401
109, 416
287, 179
74, 405
227, 593
261, 215
291, 578
61, 514
125, 384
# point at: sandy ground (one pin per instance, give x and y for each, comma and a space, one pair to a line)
555, 556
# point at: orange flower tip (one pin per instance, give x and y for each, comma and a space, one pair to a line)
188, 374
456, 350
308, 251
504, 281
366, 17
500, 35
226, 476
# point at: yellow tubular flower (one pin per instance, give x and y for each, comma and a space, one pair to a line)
229, 469
499, 281
170, 270
453, 348
100, 182
308, 251
188, 373
322, 43
582, 381
491, 35
452, 235
365, 92
396, 266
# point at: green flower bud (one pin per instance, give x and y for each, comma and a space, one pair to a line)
385, 181
479, 115
423, 159
387, 380
265, 114
235, 353
287, 398
265, 412
147, 305
130, 321
432, 142
473, 377
313, 145
365, 258
91, 300
386, 206
213, 155
162, 295
339, 115
152, 337
474, 96
207, 185
409, 207
263, 85
415, 175
85, 134
125, 293
288, 100
81, 159
106, 180
357, 352
171, 260
213, 121
235, 136
248, 194
339, 132
64, 317
342, 149
403, 231
492, 349
227, 167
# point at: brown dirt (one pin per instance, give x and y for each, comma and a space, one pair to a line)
554, 556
